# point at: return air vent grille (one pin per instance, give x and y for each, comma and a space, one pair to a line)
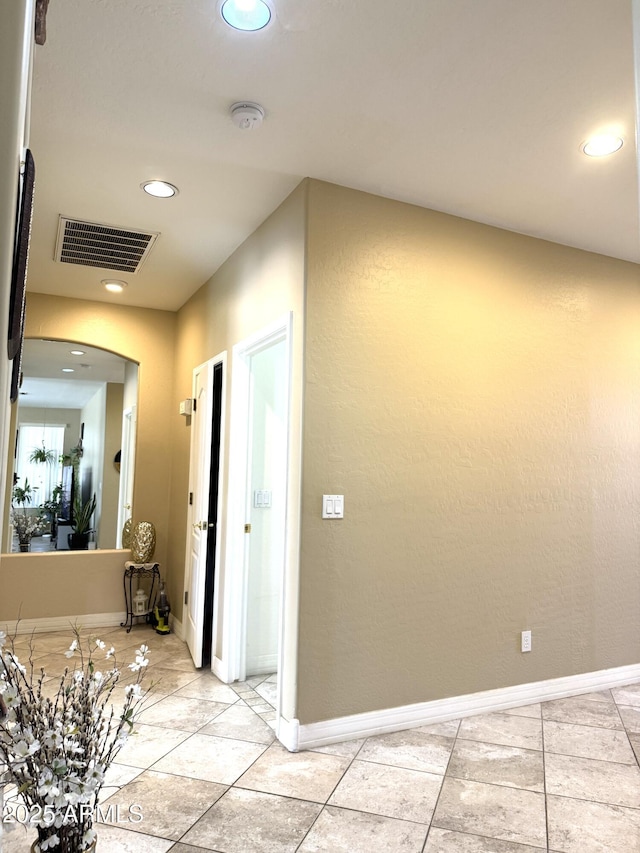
92, 245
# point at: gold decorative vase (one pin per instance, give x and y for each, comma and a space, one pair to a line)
126, 533
143, 542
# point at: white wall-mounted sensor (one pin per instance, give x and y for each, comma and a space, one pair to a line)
247, 115
186, 406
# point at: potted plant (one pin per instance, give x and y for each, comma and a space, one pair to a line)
22, 495
42, 455
58, 746
51, 509
73, 457
26, 526
81, 523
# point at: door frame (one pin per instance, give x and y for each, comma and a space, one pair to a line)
235, 586
199, 456
127, 469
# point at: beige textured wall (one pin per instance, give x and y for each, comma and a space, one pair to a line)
257, 285
147, 337
69, 583
475, 394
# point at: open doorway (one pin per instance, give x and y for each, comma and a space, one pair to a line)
256, 543
265, 509
93, 408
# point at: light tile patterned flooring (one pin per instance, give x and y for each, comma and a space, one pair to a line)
208, 775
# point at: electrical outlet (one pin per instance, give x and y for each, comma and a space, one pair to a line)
525, 641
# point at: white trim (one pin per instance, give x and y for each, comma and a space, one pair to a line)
176, 627
63, 623
265, 337
263, 664
220, 670
127, 468
199, 465
203, 462
234, 627
288, 649
427, 713
232, 609
288, 733
221, 358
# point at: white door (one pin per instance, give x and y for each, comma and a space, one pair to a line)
197, 523
266, 505
257, 501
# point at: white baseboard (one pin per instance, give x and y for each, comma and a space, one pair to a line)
63, 623
262, 664
296, 736
176, 627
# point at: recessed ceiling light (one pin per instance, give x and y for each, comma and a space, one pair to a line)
68, 370
113, 285
159, 189
77, 352
248, 15
602, 144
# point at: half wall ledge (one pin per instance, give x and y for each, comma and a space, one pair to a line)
54, 586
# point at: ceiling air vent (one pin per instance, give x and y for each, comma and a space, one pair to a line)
93, 245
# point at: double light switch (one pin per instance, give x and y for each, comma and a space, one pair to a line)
333, 506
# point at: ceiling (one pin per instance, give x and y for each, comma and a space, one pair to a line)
44, 384
473, 107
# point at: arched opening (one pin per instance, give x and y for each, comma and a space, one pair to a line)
74, 444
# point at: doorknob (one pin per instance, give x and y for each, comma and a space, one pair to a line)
200, 525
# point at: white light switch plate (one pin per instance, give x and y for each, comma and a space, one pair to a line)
333, 506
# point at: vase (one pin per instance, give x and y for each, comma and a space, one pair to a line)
25, 546
126, 533
35, 847
78, 541
143, 542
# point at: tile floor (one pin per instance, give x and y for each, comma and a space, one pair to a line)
207, 774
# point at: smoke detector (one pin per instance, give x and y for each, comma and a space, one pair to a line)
246, 115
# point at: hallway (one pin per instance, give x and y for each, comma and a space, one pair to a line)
208, 775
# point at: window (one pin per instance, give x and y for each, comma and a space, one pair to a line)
42, 477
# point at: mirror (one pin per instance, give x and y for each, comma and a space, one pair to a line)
74, 439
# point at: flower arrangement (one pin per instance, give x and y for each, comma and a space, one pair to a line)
26, 526
57, 748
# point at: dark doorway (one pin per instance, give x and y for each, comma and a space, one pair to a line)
207, 636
